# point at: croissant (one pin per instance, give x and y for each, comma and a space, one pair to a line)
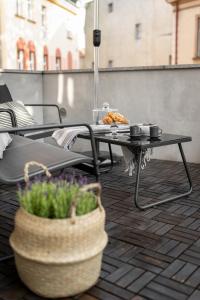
107, 120
114, 117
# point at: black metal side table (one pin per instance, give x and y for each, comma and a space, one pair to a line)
138, 147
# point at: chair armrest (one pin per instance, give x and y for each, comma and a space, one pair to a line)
12, 115
48, 105
43, 127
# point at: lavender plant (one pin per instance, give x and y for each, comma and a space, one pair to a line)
53, 198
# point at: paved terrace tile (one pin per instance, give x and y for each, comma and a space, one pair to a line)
152, 254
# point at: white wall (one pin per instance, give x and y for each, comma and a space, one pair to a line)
167, 96
26, 87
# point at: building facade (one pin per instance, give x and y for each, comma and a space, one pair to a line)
134, 33
40, 34
56, 34
186, 31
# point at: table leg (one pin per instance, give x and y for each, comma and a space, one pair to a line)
167, 199
111, 155
138, 179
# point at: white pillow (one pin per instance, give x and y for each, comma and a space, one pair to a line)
22, 115
5, 140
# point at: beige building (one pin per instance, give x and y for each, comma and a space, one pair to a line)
134, 33
186, 31
40, 34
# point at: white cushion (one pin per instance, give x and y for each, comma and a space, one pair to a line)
23, 117
5, 140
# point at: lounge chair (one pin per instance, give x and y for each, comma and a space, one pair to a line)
23, 149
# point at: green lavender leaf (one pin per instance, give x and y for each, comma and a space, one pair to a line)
54, 199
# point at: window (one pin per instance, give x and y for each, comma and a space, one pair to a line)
170, 59
58, 63
198, 38
44, 16
44, 21
110, 63
20, 8
58, 59
46, 63
31, 61
21, 60
46, 59
138, 31
69, 60
29, 9
32, 56
110, 7
69, 35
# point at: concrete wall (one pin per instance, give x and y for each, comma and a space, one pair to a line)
73, 91
26, 87
167, 96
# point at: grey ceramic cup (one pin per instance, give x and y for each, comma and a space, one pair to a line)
155, 131
135, 130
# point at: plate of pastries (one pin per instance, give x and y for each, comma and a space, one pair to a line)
114, 117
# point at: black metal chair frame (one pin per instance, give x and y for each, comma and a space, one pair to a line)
39, 134
11, 114
47, 105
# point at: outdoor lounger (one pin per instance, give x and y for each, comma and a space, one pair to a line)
23, 149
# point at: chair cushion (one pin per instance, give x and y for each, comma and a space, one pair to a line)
23, 117
22, 150
5, 95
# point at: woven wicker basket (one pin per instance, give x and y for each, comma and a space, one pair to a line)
59, 257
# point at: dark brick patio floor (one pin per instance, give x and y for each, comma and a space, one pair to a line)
152, 254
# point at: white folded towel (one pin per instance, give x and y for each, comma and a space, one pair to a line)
131, 159
66, 137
